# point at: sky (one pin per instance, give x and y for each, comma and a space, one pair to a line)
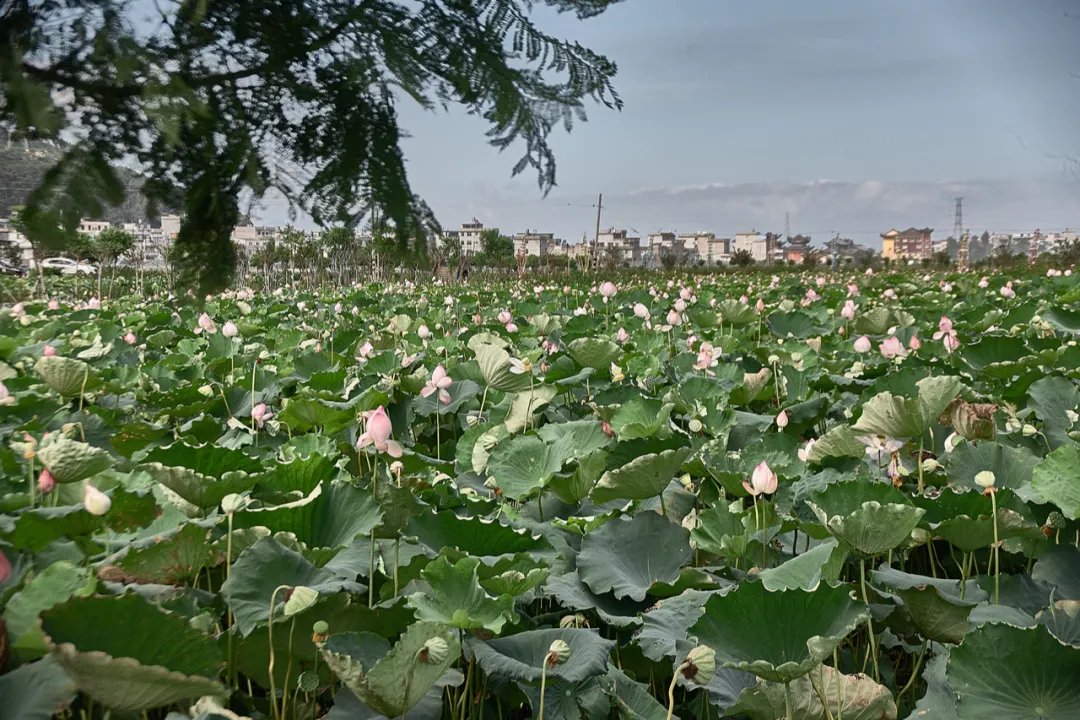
851, 117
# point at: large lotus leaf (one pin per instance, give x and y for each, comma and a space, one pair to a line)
1000, 671
626, 556
643, 477
479, 537
35, 529
595, 353
260, 569
333, 518
202, 491
934, 604
70, 460
778, 636
665, 625
1057, 478
795, 324
640, 418
349, 707
521, 465
1052, 398
578, 438
873, 321
573, 594
37, 691
855, 697
54, 584
939, 700
298, 475
722, 532
494, 364
898, 417
871, 517
304, 414
167, 559
822, 562
1059, 567
514, 576
733, 312
992, 350
631, 699
1062, 620
839, 442
67, 376
525, 404
1012, 467
968, 518
158, 658
401, 678
455, 597
521, 656
209, 460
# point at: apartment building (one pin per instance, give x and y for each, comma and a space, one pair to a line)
911, 244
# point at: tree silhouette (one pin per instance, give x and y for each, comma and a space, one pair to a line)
216, 102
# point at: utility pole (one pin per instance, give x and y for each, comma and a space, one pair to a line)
787, 225
596, 237
959, 234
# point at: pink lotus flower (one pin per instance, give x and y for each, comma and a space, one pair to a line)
892, 348
229, 329
423, 332
742, 299
984, 283
364, 351
862, 344
848, 311
477, 319
260, 414
852, 290
5, 395
641, 311
1007, 291
5, 568
706, 357
950, 342
377, 429
608, 290
914, 343
437, 384
889, 294
820, 281
674, 318
686, 293
206, 324
804, 451
622, 336
511, 327
48, 351
95, 501
54, 305
812, 295
18, 310
46, 482
782, 419
130, 338
504, 317
93, 303
945, 327
338, 307
759, 305
762, 481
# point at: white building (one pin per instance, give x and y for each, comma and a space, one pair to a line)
14, 246
469, 237
536, 244
754, 243
706, 247
93, 228
629, 248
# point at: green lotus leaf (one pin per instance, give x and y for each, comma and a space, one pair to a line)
479, 537
573, 594
577, 438
456, 599
35, 529
902, 418
158, 659
1052, 398
403, 676
1000, 671
855, 697
640, 418
213, 461
167, 559
525, 404
664, 630
806, 571
494, 364
36, 691
304, 414
297, 475
1012, 467
934, 604
53, 585
595, 353
1057, 478
839, 442
521, 656
795, 324
67, 376
71, 461
968, 518
260, 569
733, 312
778, 636
331, 517
723, 532
643, 477
871, 517
1062, 620
626, 556
1059, 568
202, 491
522, 464
873, 321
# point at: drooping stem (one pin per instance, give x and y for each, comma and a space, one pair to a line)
270, 641
543, 690
671, 690
869, 619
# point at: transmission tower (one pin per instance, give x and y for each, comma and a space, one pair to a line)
959, 234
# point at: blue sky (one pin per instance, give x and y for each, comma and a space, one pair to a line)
852, 116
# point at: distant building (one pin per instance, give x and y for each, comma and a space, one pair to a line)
705, 247
92, 227
14, 247
910, 244
469, 237
536, 244
619, 241
796, 249
762, 248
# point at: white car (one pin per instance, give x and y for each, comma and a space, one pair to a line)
67, 266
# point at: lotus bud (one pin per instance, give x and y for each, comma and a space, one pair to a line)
1029, 430
930, 465
435, 651
232, 503
700, 665
95, 501
782, 419
558, 653
46, 482
576, 620
985, 479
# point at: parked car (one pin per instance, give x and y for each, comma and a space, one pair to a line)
7, 268
67, 266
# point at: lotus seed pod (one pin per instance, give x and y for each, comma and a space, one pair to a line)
1055, 520
435, 651
695, 425
558, 653
985, 479
233, 502
701, 665
920, 536
320, 627
573, 621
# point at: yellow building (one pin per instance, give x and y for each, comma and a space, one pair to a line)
888, 245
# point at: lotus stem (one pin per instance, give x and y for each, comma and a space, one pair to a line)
787, 701
228, 615
670, 690
371, 573
288, 670
270, 641
869, 619
997, 549
438, 429
911, 680
543, 690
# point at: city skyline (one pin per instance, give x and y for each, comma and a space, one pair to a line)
852, 118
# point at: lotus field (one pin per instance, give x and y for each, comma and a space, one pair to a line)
834, 497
